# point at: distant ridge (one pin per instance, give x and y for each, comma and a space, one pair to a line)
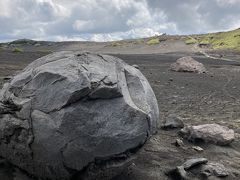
229, 40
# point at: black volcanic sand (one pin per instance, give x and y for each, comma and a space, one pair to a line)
213, 97
11, 63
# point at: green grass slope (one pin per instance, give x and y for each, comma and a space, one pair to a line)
222, 40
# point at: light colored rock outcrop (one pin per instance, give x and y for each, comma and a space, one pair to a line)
201, 168
194, 162
209, 133
214, 169
188, 64
68, 111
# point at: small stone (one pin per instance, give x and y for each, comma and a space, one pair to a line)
179, 143
197, 148
214, 169
173, 121
214, 133
194, 162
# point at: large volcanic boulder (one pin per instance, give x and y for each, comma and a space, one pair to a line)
69, 114
188, 64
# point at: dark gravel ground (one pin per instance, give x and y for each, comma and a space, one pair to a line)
198, 98
11, 63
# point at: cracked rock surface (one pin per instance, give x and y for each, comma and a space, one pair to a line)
68, 110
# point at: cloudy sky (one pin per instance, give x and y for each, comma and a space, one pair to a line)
104, 20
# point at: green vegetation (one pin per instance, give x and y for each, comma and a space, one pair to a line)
221, 40
153, 41
17, 50
23, 42
228, 40
45, 51
1, 46
126, 43
204, 42
116, 44
138, 41
131, 42
190, 40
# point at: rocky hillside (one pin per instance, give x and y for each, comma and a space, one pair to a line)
223, 43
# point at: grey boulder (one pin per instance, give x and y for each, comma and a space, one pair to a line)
70, 112
188, 64
181, 172
213, 133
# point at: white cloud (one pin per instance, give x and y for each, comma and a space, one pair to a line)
133, 33
4, 8
81, 25
103, 37
102, 20
227, 2
198, 16
65, 38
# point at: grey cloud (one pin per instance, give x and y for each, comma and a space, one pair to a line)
103, 15
194, 16
115, 19
26, 18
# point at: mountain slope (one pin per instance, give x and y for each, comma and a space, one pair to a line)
221, 40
